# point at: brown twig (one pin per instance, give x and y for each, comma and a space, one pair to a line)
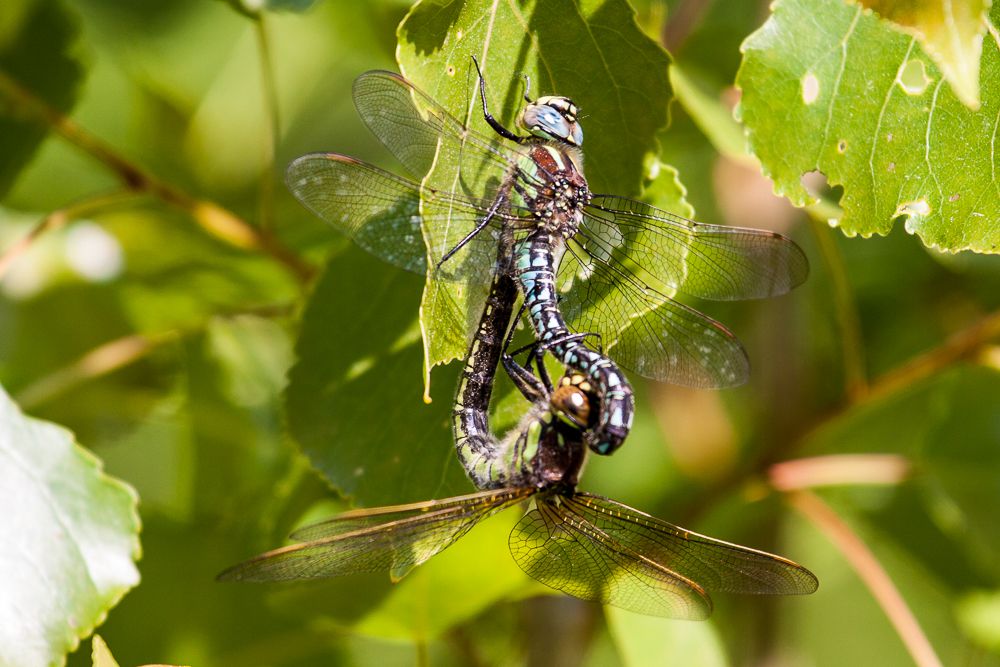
838, 469
963, 344
216, 220
113, 355
55, 219
871, 573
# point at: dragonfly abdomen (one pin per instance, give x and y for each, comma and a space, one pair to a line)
534, 267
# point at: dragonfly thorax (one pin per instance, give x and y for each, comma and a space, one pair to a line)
554, 189
552, 118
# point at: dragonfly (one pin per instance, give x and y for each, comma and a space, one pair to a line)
586, 263
584, 545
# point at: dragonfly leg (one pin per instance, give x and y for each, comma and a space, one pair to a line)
500, 200
494, 123
532, 387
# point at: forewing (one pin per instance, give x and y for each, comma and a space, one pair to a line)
381, 213
706, 261
391, 539
577, 558
418, 130
643, 328
714, 565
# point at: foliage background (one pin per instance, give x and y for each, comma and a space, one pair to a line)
226, 356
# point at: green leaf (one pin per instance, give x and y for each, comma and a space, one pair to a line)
978, 615
70, 539
590, 51
647, 640
101, 654
830, 87
951, 33
52, 73
351, 400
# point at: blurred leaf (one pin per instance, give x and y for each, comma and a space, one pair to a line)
252, 8
978, 615
951, 33
352, 399
69, 545
830, 87
647, 640
588, 50
949, 428
52, 73
101, 654
710, 115
454, 586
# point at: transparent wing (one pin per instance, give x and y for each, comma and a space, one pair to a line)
706, 261
643, 328
416, 129
555, 547
442, 152
393, 539
381, 213
714, 565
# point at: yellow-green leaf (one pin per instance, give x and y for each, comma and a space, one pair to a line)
830, 87
950, 32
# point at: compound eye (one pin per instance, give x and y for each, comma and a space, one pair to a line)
572, 404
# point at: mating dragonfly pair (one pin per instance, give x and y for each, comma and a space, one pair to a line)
625, 261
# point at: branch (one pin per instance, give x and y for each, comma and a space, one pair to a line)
871, 573
80, 209
217, 221
964, 344
846, 313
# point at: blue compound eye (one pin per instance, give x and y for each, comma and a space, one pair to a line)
552, 118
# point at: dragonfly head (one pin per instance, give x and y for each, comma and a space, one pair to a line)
553, 118
571, 401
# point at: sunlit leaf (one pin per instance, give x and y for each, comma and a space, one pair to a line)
590, 51
949, 32
51, 73
70, 539
979, 616
648, 640
830, 87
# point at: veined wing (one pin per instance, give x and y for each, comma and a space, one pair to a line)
441, 152
381, 212
419, 131
560, 550
393, 539
677, 254
644, 329
715, 565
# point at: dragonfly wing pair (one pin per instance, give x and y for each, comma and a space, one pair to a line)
597, 549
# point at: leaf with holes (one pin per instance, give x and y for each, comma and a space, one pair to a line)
951, 33
589, 50
70, 536
831, 87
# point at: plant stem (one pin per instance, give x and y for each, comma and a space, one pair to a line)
846, 313
871, 573
58, 218
216, 220
961, 345
273, 131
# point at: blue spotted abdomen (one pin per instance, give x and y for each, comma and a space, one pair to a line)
535, 272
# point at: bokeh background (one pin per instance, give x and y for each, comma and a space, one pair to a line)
245, 369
